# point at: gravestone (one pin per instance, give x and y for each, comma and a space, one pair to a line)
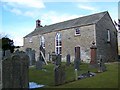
101, 66
68, 60
77, 58
31, 54
76, 74
17, 51
39, 65
54, 56
59, 75
93, 62
7, 53
1, 54
24, 60
49, 56
33, 57
58, 60
15, 71
77, 64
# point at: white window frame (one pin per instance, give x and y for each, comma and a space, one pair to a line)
42, 41
30, 40
108, 36
77, 32
58, 46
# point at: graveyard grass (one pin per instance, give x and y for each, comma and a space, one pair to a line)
108, 79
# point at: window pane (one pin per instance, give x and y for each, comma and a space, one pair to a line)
60, 50
58, 43
77, 31
42, 41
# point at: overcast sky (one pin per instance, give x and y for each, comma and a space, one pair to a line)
18, 17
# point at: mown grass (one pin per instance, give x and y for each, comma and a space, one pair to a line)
108, 79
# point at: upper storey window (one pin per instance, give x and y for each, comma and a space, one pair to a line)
77, 31
30, 40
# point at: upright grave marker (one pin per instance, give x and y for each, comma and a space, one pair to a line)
59, 75
68, 60
77, 58
39, 65
58, 60
101, 65
15, 71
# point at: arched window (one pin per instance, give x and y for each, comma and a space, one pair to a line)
58, 44
42, 41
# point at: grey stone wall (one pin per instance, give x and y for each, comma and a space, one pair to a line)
69, 41
89, 33
35, 44
107, 50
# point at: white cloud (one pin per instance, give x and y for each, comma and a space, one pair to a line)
53, 17
29, 13
16, 11
86, 7
80, 0
30, 8
18, 41
25, 3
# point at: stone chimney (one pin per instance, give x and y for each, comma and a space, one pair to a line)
38, 23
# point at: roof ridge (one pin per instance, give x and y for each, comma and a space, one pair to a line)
84, 20
76, 18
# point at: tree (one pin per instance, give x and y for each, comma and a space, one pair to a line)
7, 44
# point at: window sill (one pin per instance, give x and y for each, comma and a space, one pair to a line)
77, 35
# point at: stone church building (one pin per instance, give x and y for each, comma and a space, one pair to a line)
63, 37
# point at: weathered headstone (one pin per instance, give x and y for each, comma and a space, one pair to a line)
17, 51
101, 66
28, 52
49, 56
58, 60
77, 58
1, 54
68, 60
59, 75
54, 57
31, 54
39, 65
93, 62
15, 71
76, 74
77, 64
24, 70
33, 57
7, 53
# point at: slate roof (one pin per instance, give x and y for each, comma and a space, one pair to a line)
85, 20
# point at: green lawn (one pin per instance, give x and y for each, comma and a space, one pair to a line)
108, 79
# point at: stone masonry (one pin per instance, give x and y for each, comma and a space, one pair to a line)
92, 28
